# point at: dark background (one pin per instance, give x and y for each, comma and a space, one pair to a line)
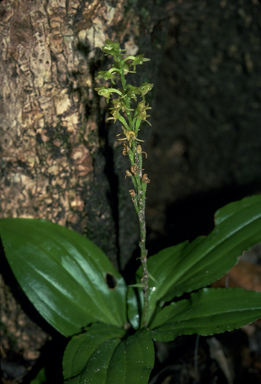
205, 145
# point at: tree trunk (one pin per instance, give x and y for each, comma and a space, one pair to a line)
59, 160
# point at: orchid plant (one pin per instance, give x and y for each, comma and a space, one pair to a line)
131, 120
112, 326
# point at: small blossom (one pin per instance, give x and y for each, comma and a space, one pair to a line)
107, 75
126, 69
140, 151
133, 91
106, 92
115, 115
129, 135
125, 150
134, 169
137, 60
128, 173
145, 88
111, 47
142, 114
119, 104
145, 179
132, 193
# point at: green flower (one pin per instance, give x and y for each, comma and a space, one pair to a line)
126, 67
142, 114
107, 75
106, 92
118, 104
112, 48
133, 91
142, 90
116, 115
138, 60
129, 135
145, 88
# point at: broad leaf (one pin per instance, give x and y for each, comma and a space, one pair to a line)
81, 347
207, 312
235, 207
187, 267
63, 274
100, 357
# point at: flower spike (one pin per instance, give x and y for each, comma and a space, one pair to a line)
130, 119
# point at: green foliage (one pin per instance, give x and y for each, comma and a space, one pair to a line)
186, 267
102, 355
63, 274
207, 312
76, 289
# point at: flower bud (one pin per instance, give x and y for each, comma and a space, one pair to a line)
145, 179
111, 47
128, 173
125, 150
140, 151
132, 193
145, 88
104, 91
142, 114
134, 169
138, 60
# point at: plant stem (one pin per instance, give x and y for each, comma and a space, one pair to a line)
143, 252
139, 202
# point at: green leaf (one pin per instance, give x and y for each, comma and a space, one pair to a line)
63, 274
134, 304
187, 267
100, 357
235, 207
81, 347
40, 377
207, 312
